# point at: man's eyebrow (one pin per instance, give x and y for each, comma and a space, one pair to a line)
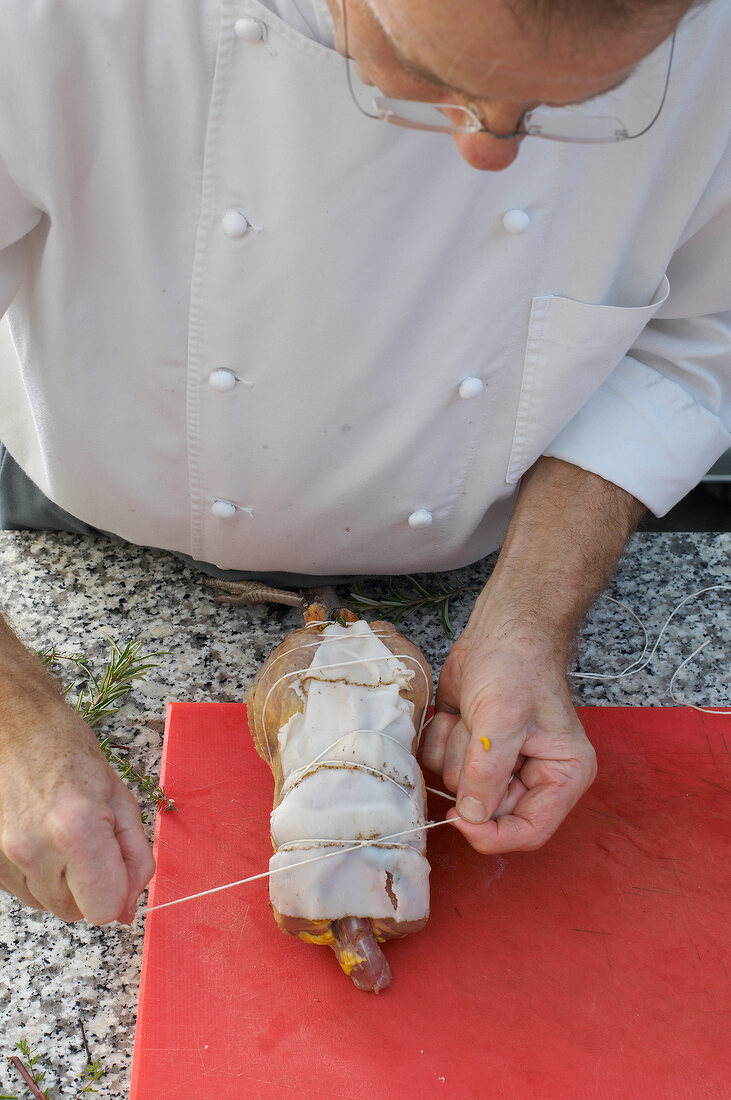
421, 72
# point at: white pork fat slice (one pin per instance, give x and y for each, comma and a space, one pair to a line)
345, 802
355, 654
372, 750
378, 881
334, 711
350, 774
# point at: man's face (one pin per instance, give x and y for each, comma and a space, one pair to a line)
476, 53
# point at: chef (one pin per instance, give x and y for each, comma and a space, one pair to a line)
296, 316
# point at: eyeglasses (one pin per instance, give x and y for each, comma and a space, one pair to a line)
585, 123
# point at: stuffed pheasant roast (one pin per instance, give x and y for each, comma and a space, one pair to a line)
336, 712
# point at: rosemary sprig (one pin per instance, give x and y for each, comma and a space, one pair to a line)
98, 698
92, 1071
400, 600
90, 1074
32, 1076
145, 783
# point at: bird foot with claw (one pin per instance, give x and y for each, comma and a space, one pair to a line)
252, 592
248, 593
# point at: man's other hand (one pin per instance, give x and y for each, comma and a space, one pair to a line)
71, 837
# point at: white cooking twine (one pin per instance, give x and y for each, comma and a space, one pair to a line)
644, 659
378, 841
631, 669
342, 847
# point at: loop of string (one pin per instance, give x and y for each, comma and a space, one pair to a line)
295, 775
349, 766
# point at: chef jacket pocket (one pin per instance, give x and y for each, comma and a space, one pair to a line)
572, 348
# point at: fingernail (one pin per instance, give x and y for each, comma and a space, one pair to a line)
470, 809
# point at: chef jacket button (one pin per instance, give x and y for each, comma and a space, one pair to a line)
234, 223
515, 221
222, 380
470, 387
223, 509
420, 518
249, 30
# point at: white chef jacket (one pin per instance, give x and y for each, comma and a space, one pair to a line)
310, 17
251, 325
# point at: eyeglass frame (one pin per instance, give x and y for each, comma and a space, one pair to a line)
385, 115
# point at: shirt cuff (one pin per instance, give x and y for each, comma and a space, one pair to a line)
643, 432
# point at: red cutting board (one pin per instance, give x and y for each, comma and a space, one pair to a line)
596, 967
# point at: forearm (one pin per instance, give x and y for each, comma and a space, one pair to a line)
506, 736
23, 680
566, 534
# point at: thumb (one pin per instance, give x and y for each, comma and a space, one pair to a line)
489, 762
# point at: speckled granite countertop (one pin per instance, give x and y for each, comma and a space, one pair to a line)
69, 592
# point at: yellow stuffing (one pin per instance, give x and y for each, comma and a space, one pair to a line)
324, 937
349, 959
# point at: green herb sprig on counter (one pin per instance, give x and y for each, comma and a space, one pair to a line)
97, 698
145, 783
403, 596
90, 1074
28, 1068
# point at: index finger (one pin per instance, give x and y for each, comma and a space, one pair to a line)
545, 803
528, 827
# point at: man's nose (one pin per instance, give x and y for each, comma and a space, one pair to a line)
487, 153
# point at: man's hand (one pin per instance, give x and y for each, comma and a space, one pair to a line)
71, 838
506, 737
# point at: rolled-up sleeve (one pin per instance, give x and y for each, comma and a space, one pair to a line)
663, 416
